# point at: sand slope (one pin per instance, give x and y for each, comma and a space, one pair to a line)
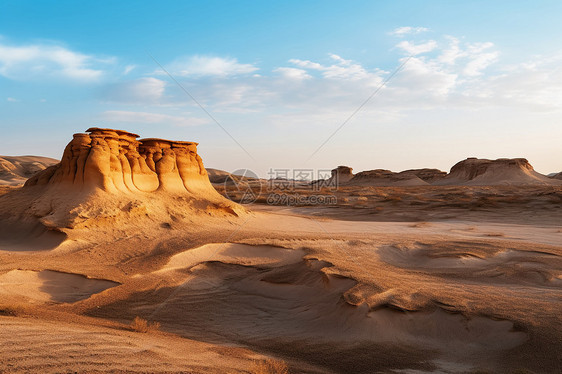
47, 286
15, 170
33, 346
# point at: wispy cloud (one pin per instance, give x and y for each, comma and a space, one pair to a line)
128, 69
416, 49
340, 69
32, 61
199, 66
408, 30
447, 72
481, 58
293, 73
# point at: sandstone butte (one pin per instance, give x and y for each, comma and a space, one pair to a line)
113, 179
115, 161
503, 171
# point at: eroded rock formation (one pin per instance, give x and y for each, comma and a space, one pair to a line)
114, 160
111, 179
508, 171
382, 177
342, 173
426, 174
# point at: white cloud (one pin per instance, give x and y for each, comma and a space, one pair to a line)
457, 74
479, 63
140, 91
128, 69
44, 61
535, 84
199, 66
152, 118
416, 49
341, 69
480, 58
452, 53
11, 100
424, 78
293, 73
405, 30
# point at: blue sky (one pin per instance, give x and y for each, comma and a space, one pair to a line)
481, 79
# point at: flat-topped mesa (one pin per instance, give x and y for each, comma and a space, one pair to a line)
473, 167
503, 171
114, 160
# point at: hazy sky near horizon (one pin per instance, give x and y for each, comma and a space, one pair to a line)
479, 79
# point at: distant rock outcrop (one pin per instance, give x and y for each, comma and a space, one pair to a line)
342, 174
382, 177
218, 176
472, 171
503, 171
15, 170
427, 175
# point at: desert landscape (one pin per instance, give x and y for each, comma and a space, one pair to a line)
123, 257
280, 187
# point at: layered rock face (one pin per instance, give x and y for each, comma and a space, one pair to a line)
342, 174
115, 161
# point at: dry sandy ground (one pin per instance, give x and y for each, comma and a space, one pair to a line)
436, 287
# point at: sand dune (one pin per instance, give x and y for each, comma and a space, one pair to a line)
334, 296
51, 286
34, 346
15, 170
